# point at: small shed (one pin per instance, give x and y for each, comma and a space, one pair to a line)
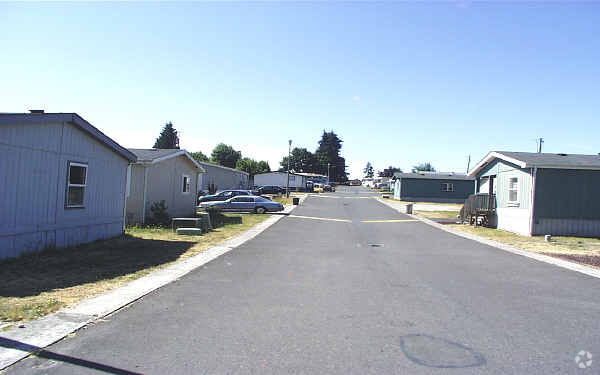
62, 182
169, 175
280, 179
542, 193
222, 178
443, 187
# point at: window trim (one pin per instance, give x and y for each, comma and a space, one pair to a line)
183, 184
68, 185
447, 187
516, 190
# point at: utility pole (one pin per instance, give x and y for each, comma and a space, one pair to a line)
328, 172
287, 186
468, 164
541, 140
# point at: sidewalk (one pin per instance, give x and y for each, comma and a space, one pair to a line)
18, 343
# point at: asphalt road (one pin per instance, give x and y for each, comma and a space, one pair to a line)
348, 297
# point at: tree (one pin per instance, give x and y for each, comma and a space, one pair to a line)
368, 171
252, 167
423, 167
225, 155
329, 159
389, 172
168, 137
199, 156
301, 160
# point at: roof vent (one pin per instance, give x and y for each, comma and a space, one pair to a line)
37, 111
561, 154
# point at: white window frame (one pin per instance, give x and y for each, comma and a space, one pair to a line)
70, 185
515, 189
447, 187
184, 185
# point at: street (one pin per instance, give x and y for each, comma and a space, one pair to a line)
347, 285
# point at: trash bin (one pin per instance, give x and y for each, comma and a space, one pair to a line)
296, 201
409, 209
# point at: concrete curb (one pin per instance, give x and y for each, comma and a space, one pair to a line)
502, 246
17, 343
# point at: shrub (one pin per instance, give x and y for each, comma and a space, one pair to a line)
159, 214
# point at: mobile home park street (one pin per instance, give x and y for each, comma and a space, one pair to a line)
347, 285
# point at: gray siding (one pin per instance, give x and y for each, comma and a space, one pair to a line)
33, 167
164, 182
415, 189
223, 178
567, 202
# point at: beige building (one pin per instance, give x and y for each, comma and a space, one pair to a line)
171, 175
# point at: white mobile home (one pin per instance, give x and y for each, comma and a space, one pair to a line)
280, 179
62, 182
169, 175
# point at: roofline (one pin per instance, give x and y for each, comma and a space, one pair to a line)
173, 155
291, 174
498, 155
491, 156
73, 118
222, 167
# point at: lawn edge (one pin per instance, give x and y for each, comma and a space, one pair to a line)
577, 267
19, 343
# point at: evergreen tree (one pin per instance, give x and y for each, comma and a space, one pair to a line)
328, 156
423, 167
368, 171
225, 155
168, 137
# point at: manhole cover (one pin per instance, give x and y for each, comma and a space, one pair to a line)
375, 245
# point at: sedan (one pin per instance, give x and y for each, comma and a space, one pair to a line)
269, 189
259, 205
223, 195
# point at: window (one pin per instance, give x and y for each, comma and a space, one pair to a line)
513, 189
447, 187
76, 183
292, 178
186, 184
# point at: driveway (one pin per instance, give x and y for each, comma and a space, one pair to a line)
347, 285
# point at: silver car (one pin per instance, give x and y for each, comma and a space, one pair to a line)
259, 205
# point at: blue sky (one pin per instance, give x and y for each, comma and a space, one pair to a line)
400, 83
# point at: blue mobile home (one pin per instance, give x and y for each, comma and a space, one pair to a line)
62, 182
542, 193
433, 187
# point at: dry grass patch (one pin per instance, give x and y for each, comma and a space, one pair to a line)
576, 249
438, 214
37, 284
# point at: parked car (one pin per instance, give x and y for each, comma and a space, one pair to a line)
223, 195
245, 203
268, 189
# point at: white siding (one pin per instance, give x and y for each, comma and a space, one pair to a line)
33, 171
279, 179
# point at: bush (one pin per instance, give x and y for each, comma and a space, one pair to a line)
159, 214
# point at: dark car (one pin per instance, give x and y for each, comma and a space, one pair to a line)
259, 205
223, 195
268, 189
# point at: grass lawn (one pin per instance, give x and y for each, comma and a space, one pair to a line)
37, 284
575, 249
438, 214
